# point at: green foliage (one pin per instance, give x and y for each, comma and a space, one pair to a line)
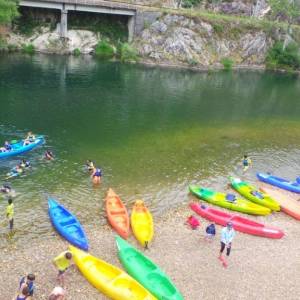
8, 11
112, 28
128, 53
227, 63
28, 49
26, 24
192, 62
76, 52
12, 48
218, 28
279, 58
290, 9
190, 3
104, 50
3, 44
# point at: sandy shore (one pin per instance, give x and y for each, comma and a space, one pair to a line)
259, 268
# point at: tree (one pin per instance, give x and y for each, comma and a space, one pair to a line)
8, 11
287, 9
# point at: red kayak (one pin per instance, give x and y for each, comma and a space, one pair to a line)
239, 223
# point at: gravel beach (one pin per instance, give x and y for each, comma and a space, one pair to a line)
259, 268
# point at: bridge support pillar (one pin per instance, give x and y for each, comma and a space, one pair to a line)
131, 26
64, 23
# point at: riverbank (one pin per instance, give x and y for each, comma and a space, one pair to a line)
259, 268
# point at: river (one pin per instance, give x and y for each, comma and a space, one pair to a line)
152, 131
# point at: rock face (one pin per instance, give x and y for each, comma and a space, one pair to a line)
174, 38
49, 41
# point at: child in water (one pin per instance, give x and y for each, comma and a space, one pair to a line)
246, 163
90, 165
96, 175
49, 155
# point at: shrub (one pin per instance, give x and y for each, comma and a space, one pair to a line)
12, 47
218, 28
28, 49
128, 53
192, 62
279, 58
104, 50
190, 3
76, 52
227, 63
3, 44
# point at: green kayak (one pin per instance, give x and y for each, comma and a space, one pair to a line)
146, 272
229, 201
253, 194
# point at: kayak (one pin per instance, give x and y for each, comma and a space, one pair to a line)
19, 148
253, 194
239, 223
142, 223
280, 182
288, 205
229, 201
67, 224
146, 272
117, 213
108, 279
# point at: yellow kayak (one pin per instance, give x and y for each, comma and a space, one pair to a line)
142, 223
108, 279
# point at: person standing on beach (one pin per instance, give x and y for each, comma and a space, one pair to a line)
23, 294
58, 293
210, 232
62, 262
227, 235
29, 282
10, 213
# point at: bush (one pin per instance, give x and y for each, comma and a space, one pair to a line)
227, 63
190, 3
76, 52
12, 48
128, 53
218, 28
104, 50
279, 58
28, 49
3, 44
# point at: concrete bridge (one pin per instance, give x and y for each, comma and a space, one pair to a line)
95, 6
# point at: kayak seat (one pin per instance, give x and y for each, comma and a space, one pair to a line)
116, 212
230, 197
66, 221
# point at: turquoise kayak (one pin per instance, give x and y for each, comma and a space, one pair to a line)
18, 147
146, 272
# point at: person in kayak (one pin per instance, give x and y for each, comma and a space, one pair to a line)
210, 232
96, 175
62, 262
49, 155
246, 163
27, 281
30, 138
7, 146
227, 235
90, 165
10, 213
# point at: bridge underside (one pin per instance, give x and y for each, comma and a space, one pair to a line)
82, 7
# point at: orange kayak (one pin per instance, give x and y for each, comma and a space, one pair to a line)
288, 204
117, 213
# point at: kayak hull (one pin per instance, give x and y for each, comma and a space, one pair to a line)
280, 182
219, 199
108, 279
117, 213
18, 148
142, 223
241, 224
253, 194
146, 272
67, 225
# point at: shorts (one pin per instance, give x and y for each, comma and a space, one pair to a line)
61, 272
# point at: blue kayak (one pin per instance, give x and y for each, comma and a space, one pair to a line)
19, 147
67, 225
280, 182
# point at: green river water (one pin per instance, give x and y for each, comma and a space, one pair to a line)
152, 131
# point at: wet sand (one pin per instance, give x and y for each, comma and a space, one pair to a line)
259, 268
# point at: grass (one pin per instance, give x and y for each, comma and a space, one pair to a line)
128, 53
76, 52
227, 63
28, 49
104, 50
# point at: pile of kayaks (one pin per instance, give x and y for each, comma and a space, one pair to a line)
146, 281
141, 219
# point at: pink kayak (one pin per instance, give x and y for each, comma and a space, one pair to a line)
239, 223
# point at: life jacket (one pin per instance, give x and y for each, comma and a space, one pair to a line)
193, 222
